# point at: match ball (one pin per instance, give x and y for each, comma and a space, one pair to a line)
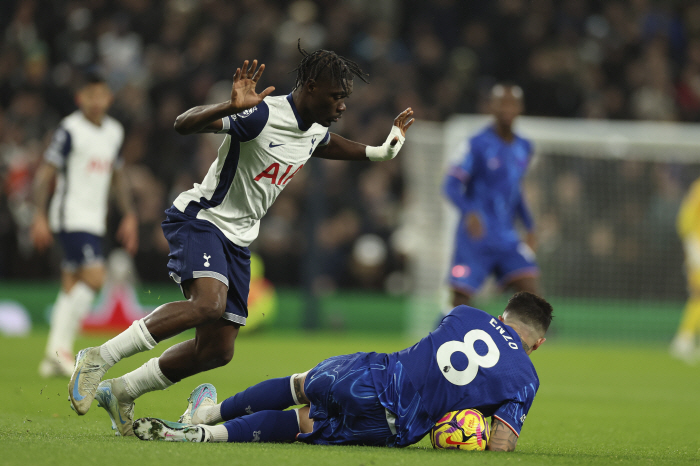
461, 430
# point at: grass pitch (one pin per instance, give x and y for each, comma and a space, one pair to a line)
596, 405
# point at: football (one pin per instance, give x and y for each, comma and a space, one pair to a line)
461, 430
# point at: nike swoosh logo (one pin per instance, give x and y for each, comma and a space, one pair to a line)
275, 145
120, 417
76, 395
201, 396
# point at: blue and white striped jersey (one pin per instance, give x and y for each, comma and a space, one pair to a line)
264, 148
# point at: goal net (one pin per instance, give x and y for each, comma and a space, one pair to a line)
604, 196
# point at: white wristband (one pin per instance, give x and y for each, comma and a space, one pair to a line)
386, 151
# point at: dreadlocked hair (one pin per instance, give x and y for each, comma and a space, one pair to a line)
339, 69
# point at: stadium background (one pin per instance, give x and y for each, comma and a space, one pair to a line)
606, 227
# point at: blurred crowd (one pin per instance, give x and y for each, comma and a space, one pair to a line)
607, 227
633, 59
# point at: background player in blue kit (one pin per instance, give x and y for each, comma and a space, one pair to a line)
208, 228
485, 188
472, 360
84, 160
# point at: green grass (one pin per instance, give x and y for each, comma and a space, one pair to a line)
597, 405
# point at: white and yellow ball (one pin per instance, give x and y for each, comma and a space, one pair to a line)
461, 430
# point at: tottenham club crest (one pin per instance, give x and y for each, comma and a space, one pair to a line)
206, 260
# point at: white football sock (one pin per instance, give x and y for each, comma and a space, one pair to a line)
146, 378
133, 340
68, 313
217, 433
209, 415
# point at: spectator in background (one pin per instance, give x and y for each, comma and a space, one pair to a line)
616, 59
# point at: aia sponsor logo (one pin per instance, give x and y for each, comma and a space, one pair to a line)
273, 171
99, 166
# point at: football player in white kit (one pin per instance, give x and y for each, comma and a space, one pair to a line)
268, 140
84, 159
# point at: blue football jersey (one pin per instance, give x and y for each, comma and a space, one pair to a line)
488, 181
472, 360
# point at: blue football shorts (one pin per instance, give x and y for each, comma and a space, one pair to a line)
473, 262
80, 249
199, 249
345, 406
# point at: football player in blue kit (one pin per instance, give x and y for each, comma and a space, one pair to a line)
472, 360
268, 139
485, 188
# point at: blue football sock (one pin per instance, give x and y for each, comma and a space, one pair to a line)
264, 426
273, 394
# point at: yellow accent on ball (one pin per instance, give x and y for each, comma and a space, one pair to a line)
461, 430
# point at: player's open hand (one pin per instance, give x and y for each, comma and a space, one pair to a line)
403, 122
243, 95
128, 233
40, 233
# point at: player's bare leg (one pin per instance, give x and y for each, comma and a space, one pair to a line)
527, 283
460, 298
306, 424
212, 347
78, 289
206, 303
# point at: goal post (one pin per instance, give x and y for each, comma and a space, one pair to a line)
604, 196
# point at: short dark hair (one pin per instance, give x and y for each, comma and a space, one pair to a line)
87, 79
531, 310
339, 69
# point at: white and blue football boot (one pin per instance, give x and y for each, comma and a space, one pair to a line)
149, 428
111, 395
202, 396
87, 374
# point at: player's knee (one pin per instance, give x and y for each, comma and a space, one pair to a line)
214, 356
210, 309
94, 277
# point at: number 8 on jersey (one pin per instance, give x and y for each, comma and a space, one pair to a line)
463, 377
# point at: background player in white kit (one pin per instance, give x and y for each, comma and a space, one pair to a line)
210, 226
84, 159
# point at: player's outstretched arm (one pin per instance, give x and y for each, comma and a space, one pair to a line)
339, 148
502, 437
207, 118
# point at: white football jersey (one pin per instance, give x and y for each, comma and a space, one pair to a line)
85, 155
264, 148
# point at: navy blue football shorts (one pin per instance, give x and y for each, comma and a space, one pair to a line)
473, 262
80, 249
199, 249
345, 406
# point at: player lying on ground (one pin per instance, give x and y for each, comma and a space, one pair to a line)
268, 140
472, 361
